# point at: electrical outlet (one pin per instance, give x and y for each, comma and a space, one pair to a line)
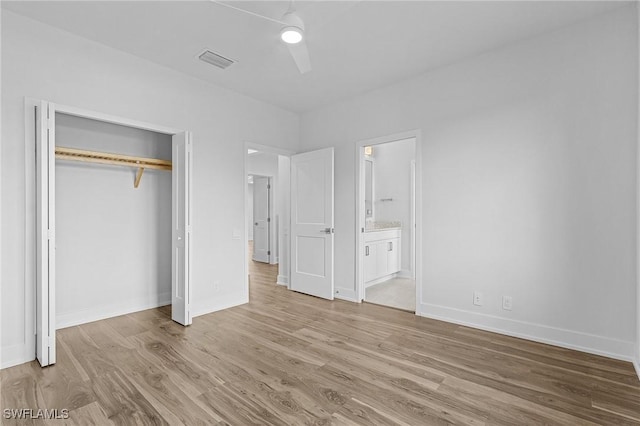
477, 298
507, 303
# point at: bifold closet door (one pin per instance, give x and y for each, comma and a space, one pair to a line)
45, 234
181, 228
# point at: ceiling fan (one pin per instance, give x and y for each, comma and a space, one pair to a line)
291, 33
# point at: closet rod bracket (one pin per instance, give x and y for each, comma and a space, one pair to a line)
138, 177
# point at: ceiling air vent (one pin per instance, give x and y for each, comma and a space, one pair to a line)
215, 59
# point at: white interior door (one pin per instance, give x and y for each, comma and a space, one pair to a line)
181, 226
261, 220
45, 244
312, 223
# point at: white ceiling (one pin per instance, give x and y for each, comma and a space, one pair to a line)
354, 46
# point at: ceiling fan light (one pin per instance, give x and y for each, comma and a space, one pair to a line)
291, 35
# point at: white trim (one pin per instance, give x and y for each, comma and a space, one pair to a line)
113, 119
405, 273
269, 149
346, 294
636, 361
16, 355
380, 280
360, 220
282, 280
584, 342
218, 303
126, 306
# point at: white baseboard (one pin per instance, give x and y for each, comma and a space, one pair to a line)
636, 365
16, 355
380, 280
123, 307
346, 294
215, 304
590, 343
405, 273
282, 280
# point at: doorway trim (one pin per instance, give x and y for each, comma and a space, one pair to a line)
416, 241
269, 150
32, 222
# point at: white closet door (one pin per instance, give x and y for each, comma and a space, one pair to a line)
45, 235
312, 223
181, 226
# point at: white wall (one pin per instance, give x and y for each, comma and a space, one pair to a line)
113, 241
392, 180
528, 183
42, 62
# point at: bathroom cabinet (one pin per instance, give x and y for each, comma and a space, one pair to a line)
381, 255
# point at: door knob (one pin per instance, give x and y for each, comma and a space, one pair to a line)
256, 224
327, 231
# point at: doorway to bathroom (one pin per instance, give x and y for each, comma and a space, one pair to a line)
387, 222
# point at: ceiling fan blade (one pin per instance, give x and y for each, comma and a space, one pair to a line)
300, 55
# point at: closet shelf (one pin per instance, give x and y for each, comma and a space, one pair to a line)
141, 163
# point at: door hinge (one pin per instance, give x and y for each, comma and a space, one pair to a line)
268, 186
50, 124
50, 234
269, 253
268, 219
189, 229
51, 342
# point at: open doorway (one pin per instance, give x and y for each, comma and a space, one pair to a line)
387, 217
267, 214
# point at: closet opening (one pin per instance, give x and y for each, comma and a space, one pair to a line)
113, 245
113, 219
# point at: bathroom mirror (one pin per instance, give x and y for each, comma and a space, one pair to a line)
368, 189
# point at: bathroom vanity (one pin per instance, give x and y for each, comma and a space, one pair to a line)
381, 252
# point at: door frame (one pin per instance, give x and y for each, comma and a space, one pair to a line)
415, 242
275, 151
31, 222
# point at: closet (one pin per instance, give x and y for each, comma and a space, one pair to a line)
113, 243
113, 219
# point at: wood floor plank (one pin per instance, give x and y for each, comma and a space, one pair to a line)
287, 359
90, 415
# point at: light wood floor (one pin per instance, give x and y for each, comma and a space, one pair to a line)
289, 359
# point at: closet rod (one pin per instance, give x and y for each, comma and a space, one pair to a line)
73, 154
141, 163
